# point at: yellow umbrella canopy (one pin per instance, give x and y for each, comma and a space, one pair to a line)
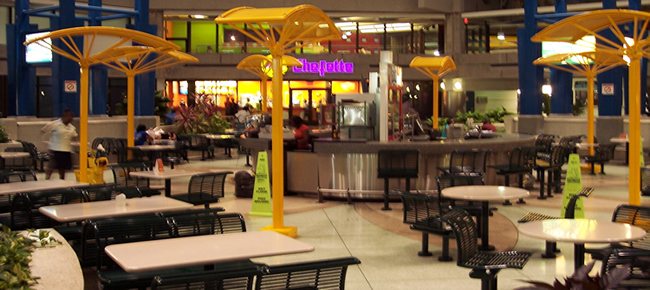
433, 66
632, 45
583, 63
575, 28
134, 60
96, 42
282, 29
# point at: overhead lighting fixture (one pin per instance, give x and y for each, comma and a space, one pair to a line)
344, 36
547, 90
436, 52
232, 37
199, 16
458, 86
501, 35
443, 86
348, 33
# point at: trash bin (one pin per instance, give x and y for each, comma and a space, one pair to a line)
244, 183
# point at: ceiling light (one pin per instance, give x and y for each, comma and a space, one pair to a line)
198, 16
547, 90
232, 37
501, 36
348, 33
344, 36
458, 86
443, 86
436, 52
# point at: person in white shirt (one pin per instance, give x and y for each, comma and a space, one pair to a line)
243, 114
62, 132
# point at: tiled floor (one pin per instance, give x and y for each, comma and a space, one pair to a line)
388, 250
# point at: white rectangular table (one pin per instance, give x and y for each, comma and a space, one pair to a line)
29, 186
109, 208
202, 250
8, 155
166, 175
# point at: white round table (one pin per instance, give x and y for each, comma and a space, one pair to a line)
581, 231
484, 194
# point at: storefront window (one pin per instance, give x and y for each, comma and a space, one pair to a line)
203, 36
176, 32
177, 92
216, 91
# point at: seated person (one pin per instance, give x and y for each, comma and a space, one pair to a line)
488, 126
141, 135
243, 114
301, 133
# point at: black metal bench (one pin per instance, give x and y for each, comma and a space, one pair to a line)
151, 227
520, 162
324, 274
397, 164
602, 154
485, 266
466, 162
204, 189
423, 213
234, 275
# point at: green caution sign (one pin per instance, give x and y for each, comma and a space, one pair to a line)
572, 186
262, 190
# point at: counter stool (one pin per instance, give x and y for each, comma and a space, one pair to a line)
397, 164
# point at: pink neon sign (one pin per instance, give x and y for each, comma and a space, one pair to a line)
322, 67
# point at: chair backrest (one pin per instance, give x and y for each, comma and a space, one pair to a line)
545, 141
466, 234
129, 155
24, 206
560, 155
122, 177
445, 181
97, 192
126, 230
206, 223
419, 207
208, 183
468, 161
325, 274
217, 279
637, 216
605, 151
397, 163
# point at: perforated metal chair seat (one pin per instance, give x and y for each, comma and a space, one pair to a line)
502, 260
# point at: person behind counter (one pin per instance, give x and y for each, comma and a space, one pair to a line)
488, 126
301, 133
450, 121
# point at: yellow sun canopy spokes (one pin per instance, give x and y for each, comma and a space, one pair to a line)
141, 59
260, 65
282, 29
576, 27
583, 63
97, 40
434, 67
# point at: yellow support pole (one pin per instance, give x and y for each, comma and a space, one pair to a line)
435, 102
634, 132
265, 95
277, 148
83, 124
590, 113
130, 110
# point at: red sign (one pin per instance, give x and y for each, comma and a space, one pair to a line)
70, 86
608, 89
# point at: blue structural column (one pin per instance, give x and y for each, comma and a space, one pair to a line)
609, 104
561, 81
145, 83
98, 75
531, 77
21, 77
64, 69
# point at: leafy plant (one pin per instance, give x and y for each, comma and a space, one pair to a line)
581, 280
496, 116
203, 117
15, 255
4, 137
578, 108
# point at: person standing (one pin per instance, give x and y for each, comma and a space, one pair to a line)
62, 132
301, 133
243, 114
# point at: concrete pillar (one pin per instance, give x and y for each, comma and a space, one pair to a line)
455, 37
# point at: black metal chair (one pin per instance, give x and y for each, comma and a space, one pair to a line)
485, 266
602, 154
467, 162
423, 213
520, 162
205, 188
397, 164
37, 157
24, 207
122, 178
554, 167
324, 274
206, 223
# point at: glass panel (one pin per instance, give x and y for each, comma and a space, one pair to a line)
231, 40
176, 29
249, 92
204, 36
308, 84
177, 92
345, 87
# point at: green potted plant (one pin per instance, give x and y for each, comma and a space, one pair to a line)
4, 137
15, 255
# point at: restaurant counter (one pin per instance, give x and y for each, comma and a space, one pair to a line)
338, 167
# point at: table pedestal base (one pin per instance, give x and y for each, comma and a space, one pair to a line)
551, 249
485, 227
578, 256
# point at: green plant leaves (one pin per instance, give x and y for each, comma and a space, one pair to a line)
15, 255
